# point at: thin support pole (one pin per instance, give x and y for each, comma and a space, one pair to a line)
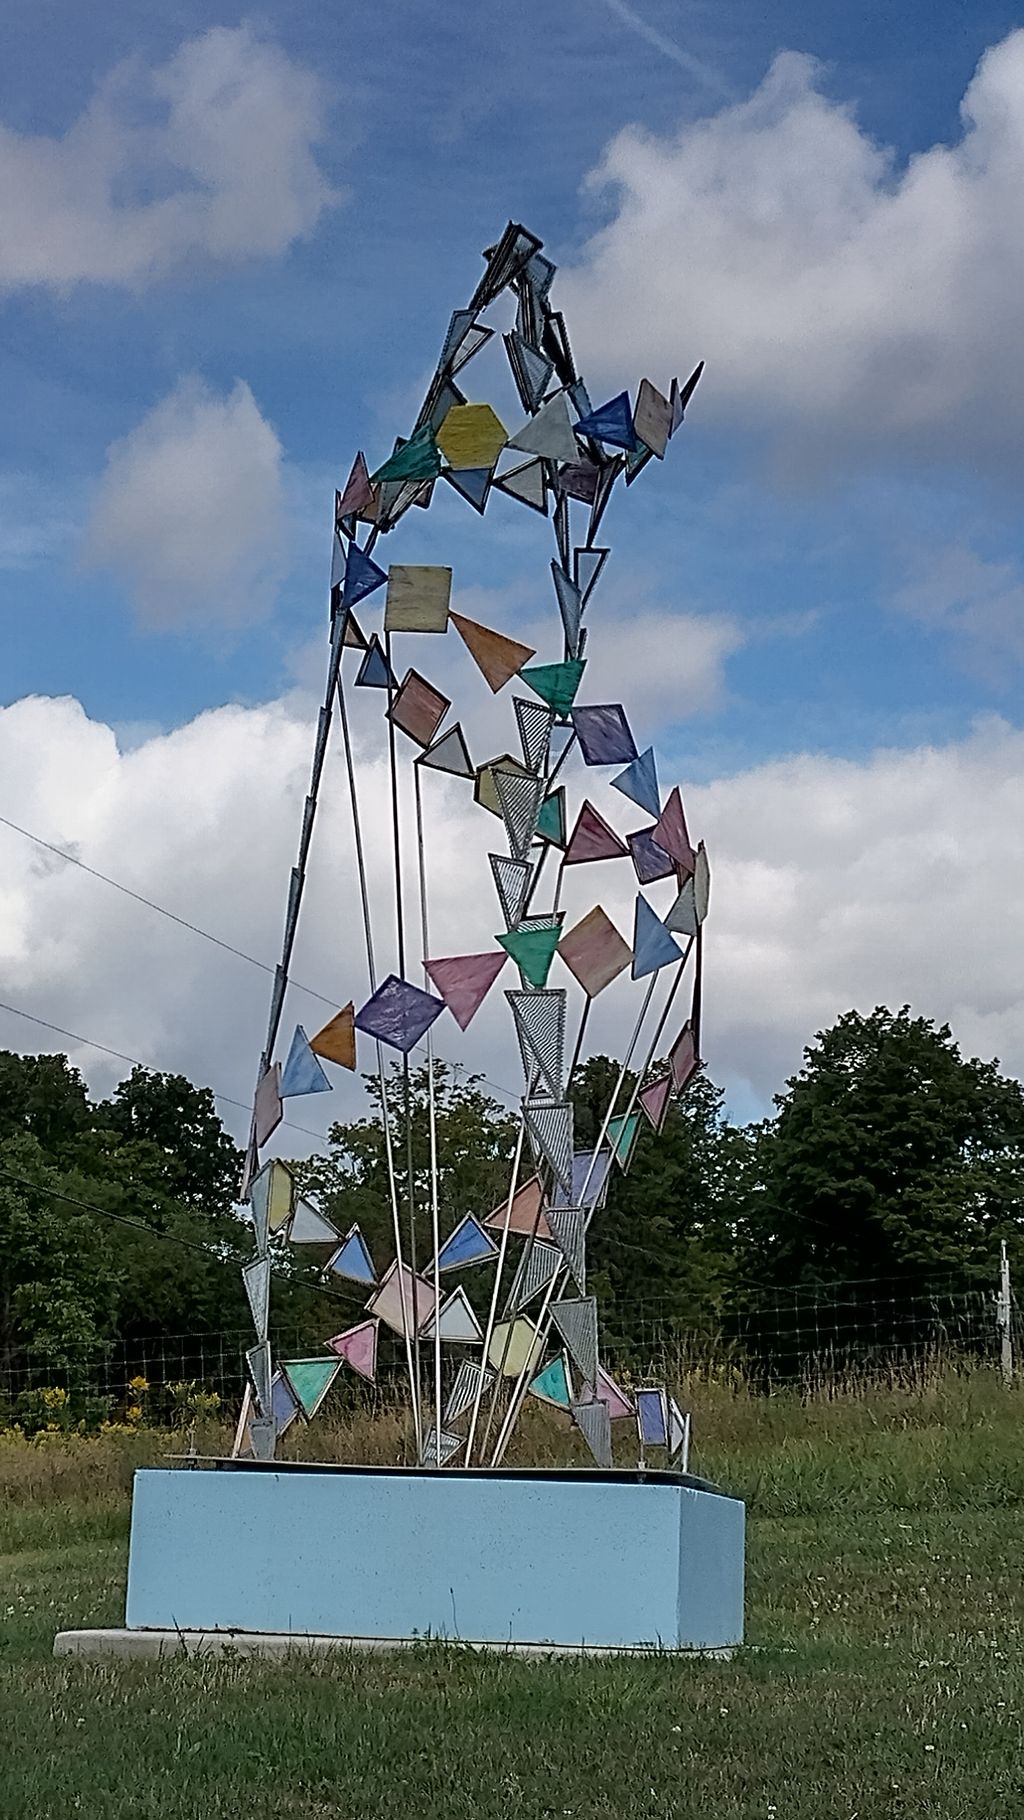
435, 1217
385, 1109
493, 1308
410, 1190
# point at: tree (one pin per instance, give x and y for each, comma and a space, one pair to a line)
659, 1252
891, 1156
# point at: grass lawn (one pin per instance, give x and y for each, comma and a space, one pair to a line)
884, 1601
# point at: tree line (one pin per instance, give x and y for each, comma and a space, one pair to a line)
889, 1157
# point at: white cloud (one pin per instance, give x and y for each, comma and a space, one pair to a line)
978, 602
211, 154
836, 884
190, 513
842, 301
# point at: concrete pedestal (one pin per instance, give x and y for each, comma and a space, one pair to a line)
573, 1560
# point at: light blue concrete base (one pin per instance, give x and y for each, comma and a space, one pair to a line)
612, 1561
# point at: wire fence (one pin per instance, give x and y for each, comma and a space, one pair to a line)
814, 1335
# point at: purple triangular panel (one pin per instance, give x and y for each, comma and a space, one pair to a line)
592, 838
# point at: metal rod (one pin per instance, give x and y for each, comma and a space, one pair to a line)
385, 1109
435, 1218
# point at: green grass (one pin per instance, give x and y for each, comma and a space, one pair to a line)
885, 1604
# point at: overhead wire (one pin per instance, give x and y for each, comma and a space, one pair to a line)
207, 935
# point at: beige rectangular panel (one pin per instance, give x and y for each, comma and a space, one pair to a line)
418, 598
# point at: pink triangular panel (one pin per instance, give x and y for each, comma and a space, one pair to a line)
592, 838
358, 492
464, 982
670, 833
654, 1099
358, 1347
608, 1392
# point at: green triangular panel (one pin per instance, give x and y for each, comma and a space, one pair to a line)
311, 1379
555, 683
551, 820
417, 459
533, 951
622, 1135
552, 1384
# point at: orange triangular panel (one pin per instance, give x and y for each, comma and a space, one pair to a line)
499, 658
336, 1042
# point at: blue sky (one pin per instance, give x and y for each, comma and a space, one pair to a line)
839, 523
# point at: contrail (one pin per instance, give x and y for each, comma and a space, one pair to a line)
667, 47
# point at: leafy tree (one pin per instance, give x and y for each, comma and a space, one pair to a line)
891, 1156
659, 1252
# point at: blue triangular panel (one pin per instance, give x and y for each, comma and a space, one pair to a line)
639, 781
611, 423
353, 1260
653, 946
362, 577
468, 1244
569, 606
472, 483
374, 672
302, 1072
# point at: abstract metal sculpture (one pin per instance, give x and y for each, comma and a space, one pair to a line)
562, 462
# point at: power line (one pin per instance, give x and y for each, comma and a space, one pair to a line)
104, 1049
153, 1232
207, 936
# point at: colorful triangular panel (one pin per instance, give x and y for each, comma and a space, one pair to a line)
528, 484
623, 1132
268, 1110
464, 981
653, 946
526, 1216
473, 484
336, 1042
639, 781
533, 951
310, 1380
654, 1100
302, 1072
362, 577
683, 1058
468, 1244
375, 672
619, 1405
671, 834
549, 433
593, 839
309, 1227
555, 683
358, 1347
553, 1384
457, 1321
611, 423
358, 492
682, 918
258, 1360
256, 1277
498, 658
570, 605
352, 1259
449, 753
551, 818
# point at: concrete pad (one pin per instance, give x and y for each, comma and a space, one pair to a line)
151, 1645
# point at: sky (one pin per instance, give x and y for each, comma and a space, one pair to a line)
229, 247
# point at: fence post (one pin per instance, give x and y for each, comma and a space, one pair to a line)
1003, 1317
